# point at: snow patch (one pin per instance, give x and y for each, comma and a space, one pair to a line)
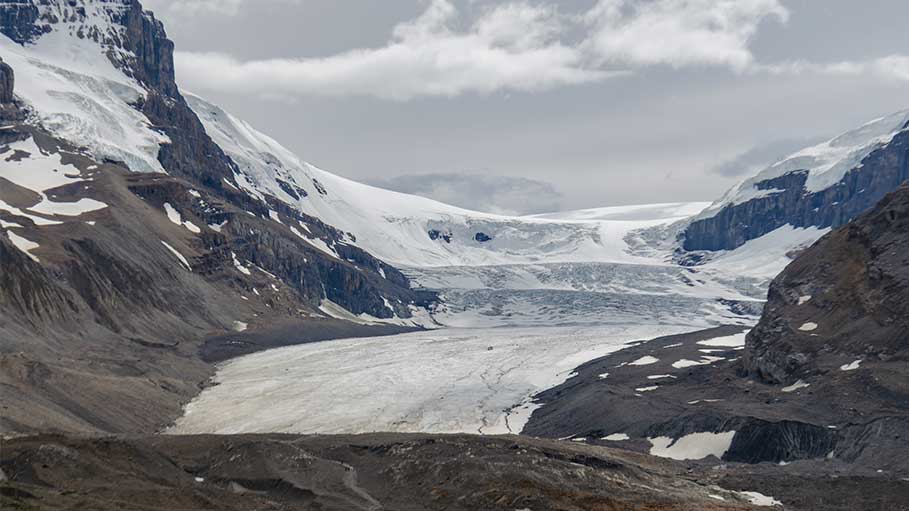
217, 227
852, 366
616, 437
23, 244
731, 341
40, 172
705, 360
795, 386
694, 446
192, 227
808, 327
759, 499
239, 266
172, 214
178, 254
645, 360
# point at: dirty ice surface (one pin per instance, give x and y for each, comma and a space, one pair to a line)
443, 381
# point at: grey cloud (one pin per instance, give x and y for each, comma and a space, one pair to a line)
759, 157
491, 194
510, 46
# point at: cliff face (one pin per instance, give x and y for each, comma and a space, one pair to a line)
6, 83
844, 299
790, 202
18, 20
8, 109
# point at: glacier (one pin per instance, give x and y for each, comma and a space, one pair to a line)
525, 299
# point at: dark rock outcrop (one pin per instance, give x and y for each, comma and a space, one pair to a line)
844, 299
435, 234
9, 109
7, 81
349, 473
861, 188
757, 440
18, 21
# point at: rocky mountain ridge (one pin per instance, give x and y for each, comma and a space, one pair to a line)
113, 278
765, 204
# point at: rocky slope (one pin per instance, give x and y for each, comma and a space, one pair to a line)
822, 382
844, 301
806, 189
112, 279
370, 472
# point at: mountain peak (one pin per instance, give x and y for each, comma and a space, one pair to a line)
131, 38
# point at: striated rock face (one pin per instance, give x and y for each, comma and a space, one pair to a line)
6, 83
844, 299
18, 19
791, 203
9, 110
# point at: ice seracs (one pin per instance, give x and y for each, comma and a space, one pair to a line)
70, 85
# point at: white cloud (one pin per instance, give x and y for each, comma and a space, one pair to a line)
516, 46
678, 32
510, 47
892, 67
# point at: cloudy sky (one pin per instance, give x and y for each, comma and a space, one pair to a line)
534, 105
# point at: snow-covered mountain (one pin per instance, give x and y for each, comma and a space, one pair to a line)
76, 74
825, 185
98, 75
414, 231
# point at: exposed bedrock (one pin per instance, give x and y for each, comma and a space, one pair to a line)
844, 300
861, 188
